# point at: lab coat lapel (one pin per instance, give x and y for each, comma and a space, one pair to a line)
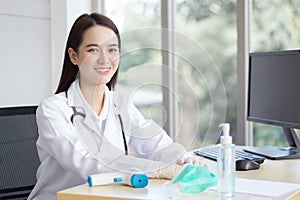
86, 126
112, 142
86, 136
91, 124
76, 99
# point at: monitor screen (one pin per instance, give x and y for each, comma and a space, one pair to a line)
274, 98
274, 88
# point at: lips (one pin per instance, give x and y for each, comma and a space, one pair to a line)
103, 70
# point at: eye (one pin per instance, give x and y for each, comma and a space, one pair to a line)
93, 50
113, 50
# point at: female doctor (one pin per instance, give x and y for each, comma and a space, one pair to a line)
86, 129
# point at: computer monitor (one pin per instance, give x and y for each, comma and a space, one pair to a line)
274, 98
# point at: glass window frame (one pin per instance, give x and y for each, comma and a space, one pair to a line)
168, 18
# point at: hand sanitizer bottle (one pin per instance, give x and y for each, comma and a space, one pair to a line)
226, 163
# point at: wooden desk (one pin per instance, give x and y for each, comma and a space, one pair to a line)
271, 170
282, 171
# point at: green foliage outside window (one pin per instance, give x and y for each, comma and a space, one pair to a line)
212, 24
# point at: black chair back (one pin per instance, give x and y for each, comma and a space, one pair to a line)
18, 154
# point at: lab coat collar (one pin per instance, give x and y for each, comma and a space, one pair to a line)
76, 99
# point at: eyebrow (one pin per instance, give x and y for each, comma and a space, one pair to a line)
97, 45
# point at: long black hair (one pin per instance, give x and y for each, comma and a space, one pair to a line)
82, 23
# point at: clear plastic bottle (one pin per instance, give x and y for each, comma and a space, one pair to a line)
226, 163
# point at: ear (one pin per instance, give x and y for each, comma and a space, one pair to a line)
72, 55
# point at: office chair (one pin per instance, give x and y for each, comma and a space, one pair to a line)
19, 159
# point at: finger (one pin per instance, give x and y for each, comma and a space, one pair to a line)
196, 161
189, 160
180, 161
203, 163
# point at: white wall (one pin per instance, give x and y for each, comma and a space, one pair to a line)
24, 51
32, 41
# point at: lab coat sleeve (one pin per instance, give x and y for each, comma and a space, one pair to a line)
58, 139
151, 141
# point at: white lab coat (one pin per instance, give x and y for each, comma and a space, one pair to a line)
70, 152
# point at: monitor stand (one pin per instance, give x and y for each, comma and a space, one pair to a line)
276, 153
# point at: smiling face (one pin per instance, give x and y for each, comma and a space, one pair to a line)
97, 57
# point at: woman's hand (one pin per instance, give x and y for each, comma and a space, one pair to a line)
191, 160
172, 170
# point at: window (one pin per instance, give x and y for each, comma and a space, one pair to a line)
206, 69
205, 51
274, 26
139, 23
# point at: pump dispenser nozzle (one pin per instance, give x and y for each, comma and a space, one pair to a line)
225, 138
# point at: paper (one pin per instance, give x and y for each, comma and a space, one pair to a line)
263, 188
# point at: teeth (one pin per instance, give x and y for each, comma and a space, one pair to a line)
103, 69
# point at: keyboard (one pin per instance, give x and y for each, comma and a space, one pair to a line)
211, 152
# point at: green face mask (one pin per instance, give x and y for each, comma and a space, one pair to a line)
195, 178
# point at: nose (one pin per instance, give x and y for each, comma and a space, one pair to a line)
103, 58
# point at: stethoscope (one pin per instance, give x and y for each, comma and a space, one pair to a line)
77, 113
